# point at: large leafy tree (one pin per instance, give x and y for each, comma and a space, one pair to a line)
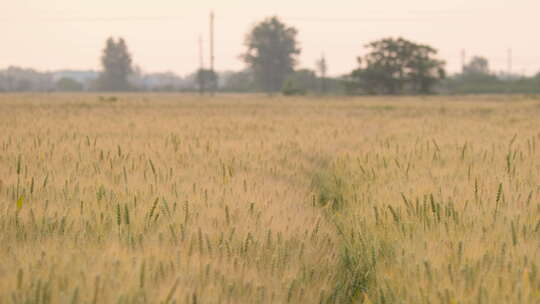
117, 66
272, 52
397, 66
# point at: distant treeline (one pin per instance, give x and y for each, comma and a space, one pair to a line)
391, 66
300, 82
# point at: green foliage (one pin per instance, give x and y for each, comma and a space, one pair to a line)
330, 188
17, 79
489, 84
67, 84
117, 66
206, 80
241, 81
290, 88
476, 78
306, 81
110, 99
358, 251
271, 53
397, 66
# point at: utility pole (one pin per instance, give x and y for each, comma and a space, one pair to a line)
200, 74
463, 60
323, 68
509, 63
212, 58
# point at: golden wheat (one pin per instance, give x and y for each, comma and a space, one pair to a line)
248, 199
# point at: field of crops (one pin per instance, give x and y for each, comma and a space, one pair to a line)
251, 199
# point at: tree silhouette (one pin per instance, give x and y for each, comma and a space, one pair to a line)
207, 80
477, 66
116, 62
271, 53
397, 66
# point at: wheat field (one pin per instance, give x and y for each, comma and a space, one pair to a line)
141, 198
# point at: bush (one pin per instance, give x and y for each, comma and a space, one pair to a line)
291, 89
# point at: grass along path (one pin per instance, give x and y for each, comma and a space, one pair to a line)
442, 209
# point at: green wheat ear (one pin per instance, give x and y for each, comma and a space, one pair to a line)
20, 202
118, 217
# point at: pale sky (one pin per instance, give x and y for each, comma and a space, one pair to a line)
162, 35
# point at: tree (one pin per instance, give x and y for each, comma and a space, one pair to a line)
476, 78
67, 84
272, 50
17, 79
206, 80
397, 66
116, 62
477, 66
301, 82
241, 81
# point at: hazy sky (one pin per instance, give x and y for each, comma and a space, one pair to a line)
162, 34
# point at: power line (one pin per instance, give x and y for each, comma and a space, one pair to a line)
361, 20
99, 19
293, 18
